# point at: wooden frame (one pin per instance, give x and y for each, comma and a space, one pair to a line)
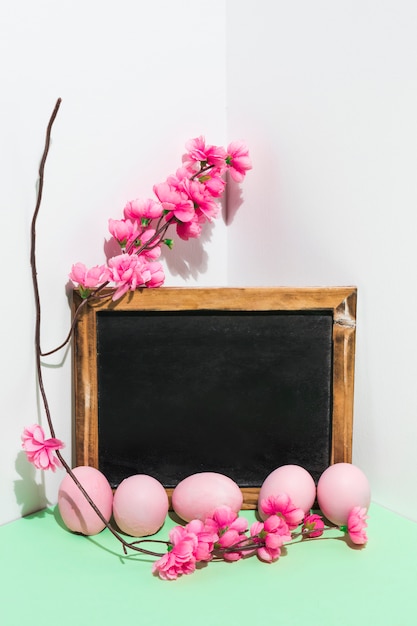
341, 301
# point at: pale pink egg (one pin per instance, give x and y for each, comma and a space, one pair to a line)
140, 505
341, 487
76, 512
198, 495
293, 480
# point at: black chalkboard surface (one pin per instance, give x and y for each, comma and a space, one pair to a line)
231, 381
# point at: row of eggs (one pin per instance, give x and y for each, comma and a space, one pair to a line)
140, 503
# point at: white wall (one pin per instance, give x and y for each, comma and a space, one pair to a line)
325, 95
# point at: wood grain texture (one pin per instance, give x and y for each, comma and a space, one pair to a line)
341, 301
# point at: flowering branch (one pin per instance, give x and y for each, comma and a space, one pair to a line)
223, 536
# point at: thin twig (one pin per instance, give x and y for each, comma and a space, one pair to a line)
33, 264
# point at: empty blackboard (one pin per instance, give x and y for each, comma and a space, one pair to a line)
237, 381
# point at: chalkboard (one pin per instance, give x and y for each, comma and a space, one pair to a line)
170, 382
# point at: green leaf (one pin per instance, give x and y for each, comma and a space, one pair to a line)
84, 292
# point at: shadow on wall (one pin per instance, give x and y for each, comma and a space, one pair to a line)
233, 201
29, 495
188, 259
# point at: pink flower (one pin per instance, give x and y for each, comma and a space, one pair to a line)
200, 152
128, 272
230, 529
356, 525
147, 209
174, 202
175, 181
214, 184
40, 451
180, 559
231, 540
224, 518
124, 231
238, 160
206, 539
189, 545
278, 526
201, 198
313, 525
191, 229
271, 536
282, 505
88, 278
157, 275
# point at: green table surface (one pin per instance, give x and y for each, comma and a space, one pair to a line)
51, 576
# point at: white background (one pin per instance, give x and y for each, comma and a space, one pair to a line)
324, 94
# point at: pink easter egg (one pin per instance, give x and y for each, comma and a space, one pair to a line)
199, 495
76, 512
140, 505
341, 487
293, 480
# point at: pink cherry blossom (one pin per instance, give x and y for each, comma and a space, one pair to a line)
147, 209
225, 518
88, 278
200, 152
214, 184
277, 525
313, 525
180, 559
128, 272
191, 229
282, 505
238, 160
230, 529
268, 554
157, 275
40, 451
206, 539
201, 198
174, 202
356, 525
271, 536
189, 545
176, 180
269, 549
124, 231
230, 538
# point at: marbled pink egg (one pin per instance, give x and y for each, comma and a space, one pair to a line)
293, 480
341, 487
198, 495
76, 512
140, 505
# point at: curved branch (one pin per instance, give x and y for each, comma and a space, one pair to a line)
33, 264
